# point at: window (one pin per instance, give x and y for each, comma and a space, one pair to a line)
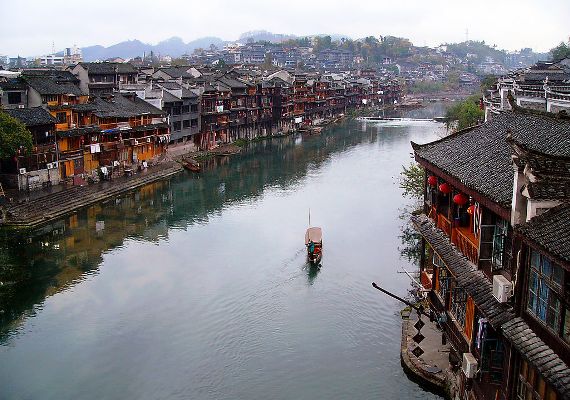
176, 125
194, 107
492, 356
531, 385
14, 97
499, 237
185, 109
194, 122
459, 305
443, 277
186, 123
545, 291
61, 118
176, 111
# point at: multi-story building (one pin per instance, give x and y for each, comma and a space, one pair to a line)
495, 256
102, 78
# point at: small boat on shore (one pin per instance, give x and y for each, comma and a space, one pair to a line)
191, 165
314, 244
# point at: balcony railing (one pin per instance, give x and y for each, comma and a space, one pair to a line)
467, 243
444, 224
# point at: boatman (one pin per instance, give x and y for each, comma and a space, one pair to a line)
311, 246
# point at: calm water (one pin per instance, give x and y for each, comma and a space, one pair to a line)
197, 288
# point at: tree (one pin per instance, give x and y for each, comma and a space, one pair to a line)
13, 136
467, 113
560, 52
412, 181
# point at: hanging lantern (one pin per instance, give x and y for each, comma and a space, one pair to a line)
432, 180
471, 209
445, 188
460, 199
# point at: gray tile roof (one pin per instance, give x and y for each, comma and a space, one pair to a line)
500, 315
31, 116
49, 86
550, 230
109, 68
480, 157
120, 107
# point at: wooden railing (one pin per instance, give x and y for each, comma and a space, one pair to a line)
467, 244
444, 224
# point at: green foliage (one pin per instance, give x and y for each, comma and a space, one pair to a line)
412, 181
13, 135
560, 52
488, 82
479, 51
241, 142
467, 113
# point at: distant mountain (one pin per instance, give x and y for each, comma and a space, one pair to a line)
256, 36
173, 47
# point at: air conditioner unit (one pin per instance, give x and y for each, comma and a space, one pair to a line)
49, 165
469, 365
22, 171
502, 288
21, 106
148, 140
136, 142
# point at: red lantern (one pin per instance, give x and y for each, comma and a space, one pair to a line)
432, 180
460, 199
471, 210
445, 188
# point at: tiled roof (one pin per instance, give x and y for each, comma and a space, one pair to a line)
499, 315
50, 86
13, 84
31, 116
550, 230
106, 68
480, 157
120, 107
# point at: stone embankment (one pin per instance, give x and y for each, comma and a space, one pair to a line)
54, 205
431, 369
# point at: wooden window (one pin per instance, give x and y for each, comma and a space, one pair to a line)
14, 97
185, 109
545, 290
443, 278
186, 123
499, 238
459, 305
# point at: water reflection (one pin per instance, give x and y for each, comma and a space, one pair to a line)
223, 298
312, 272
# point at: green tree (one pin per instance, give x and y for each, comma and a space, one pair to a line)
412, 181
467, 113
560, 52
13, 136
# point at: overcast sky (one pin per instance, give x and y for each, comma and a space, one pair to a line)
29, 27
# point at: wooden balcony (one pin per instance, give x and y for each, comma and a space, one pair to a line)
467, 243
444, 224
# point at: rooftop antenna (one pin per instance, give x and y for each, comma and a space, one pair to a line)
466, 34
52, 47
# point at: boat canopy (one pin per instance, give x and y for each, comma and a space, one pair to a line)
315, 234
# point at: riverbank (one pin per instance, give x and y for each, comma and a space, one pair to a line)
30, 209
49, 205
431, 369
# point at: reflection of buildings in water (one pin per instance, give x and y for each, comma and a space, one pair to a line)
56, 256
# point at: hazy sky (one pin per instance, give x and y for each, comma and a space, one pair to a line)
30, 26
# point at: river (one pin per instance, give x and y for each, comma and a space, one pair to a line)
197, 287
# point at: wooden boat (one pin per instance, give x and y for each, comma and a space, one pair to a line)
192, 165
314, 244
